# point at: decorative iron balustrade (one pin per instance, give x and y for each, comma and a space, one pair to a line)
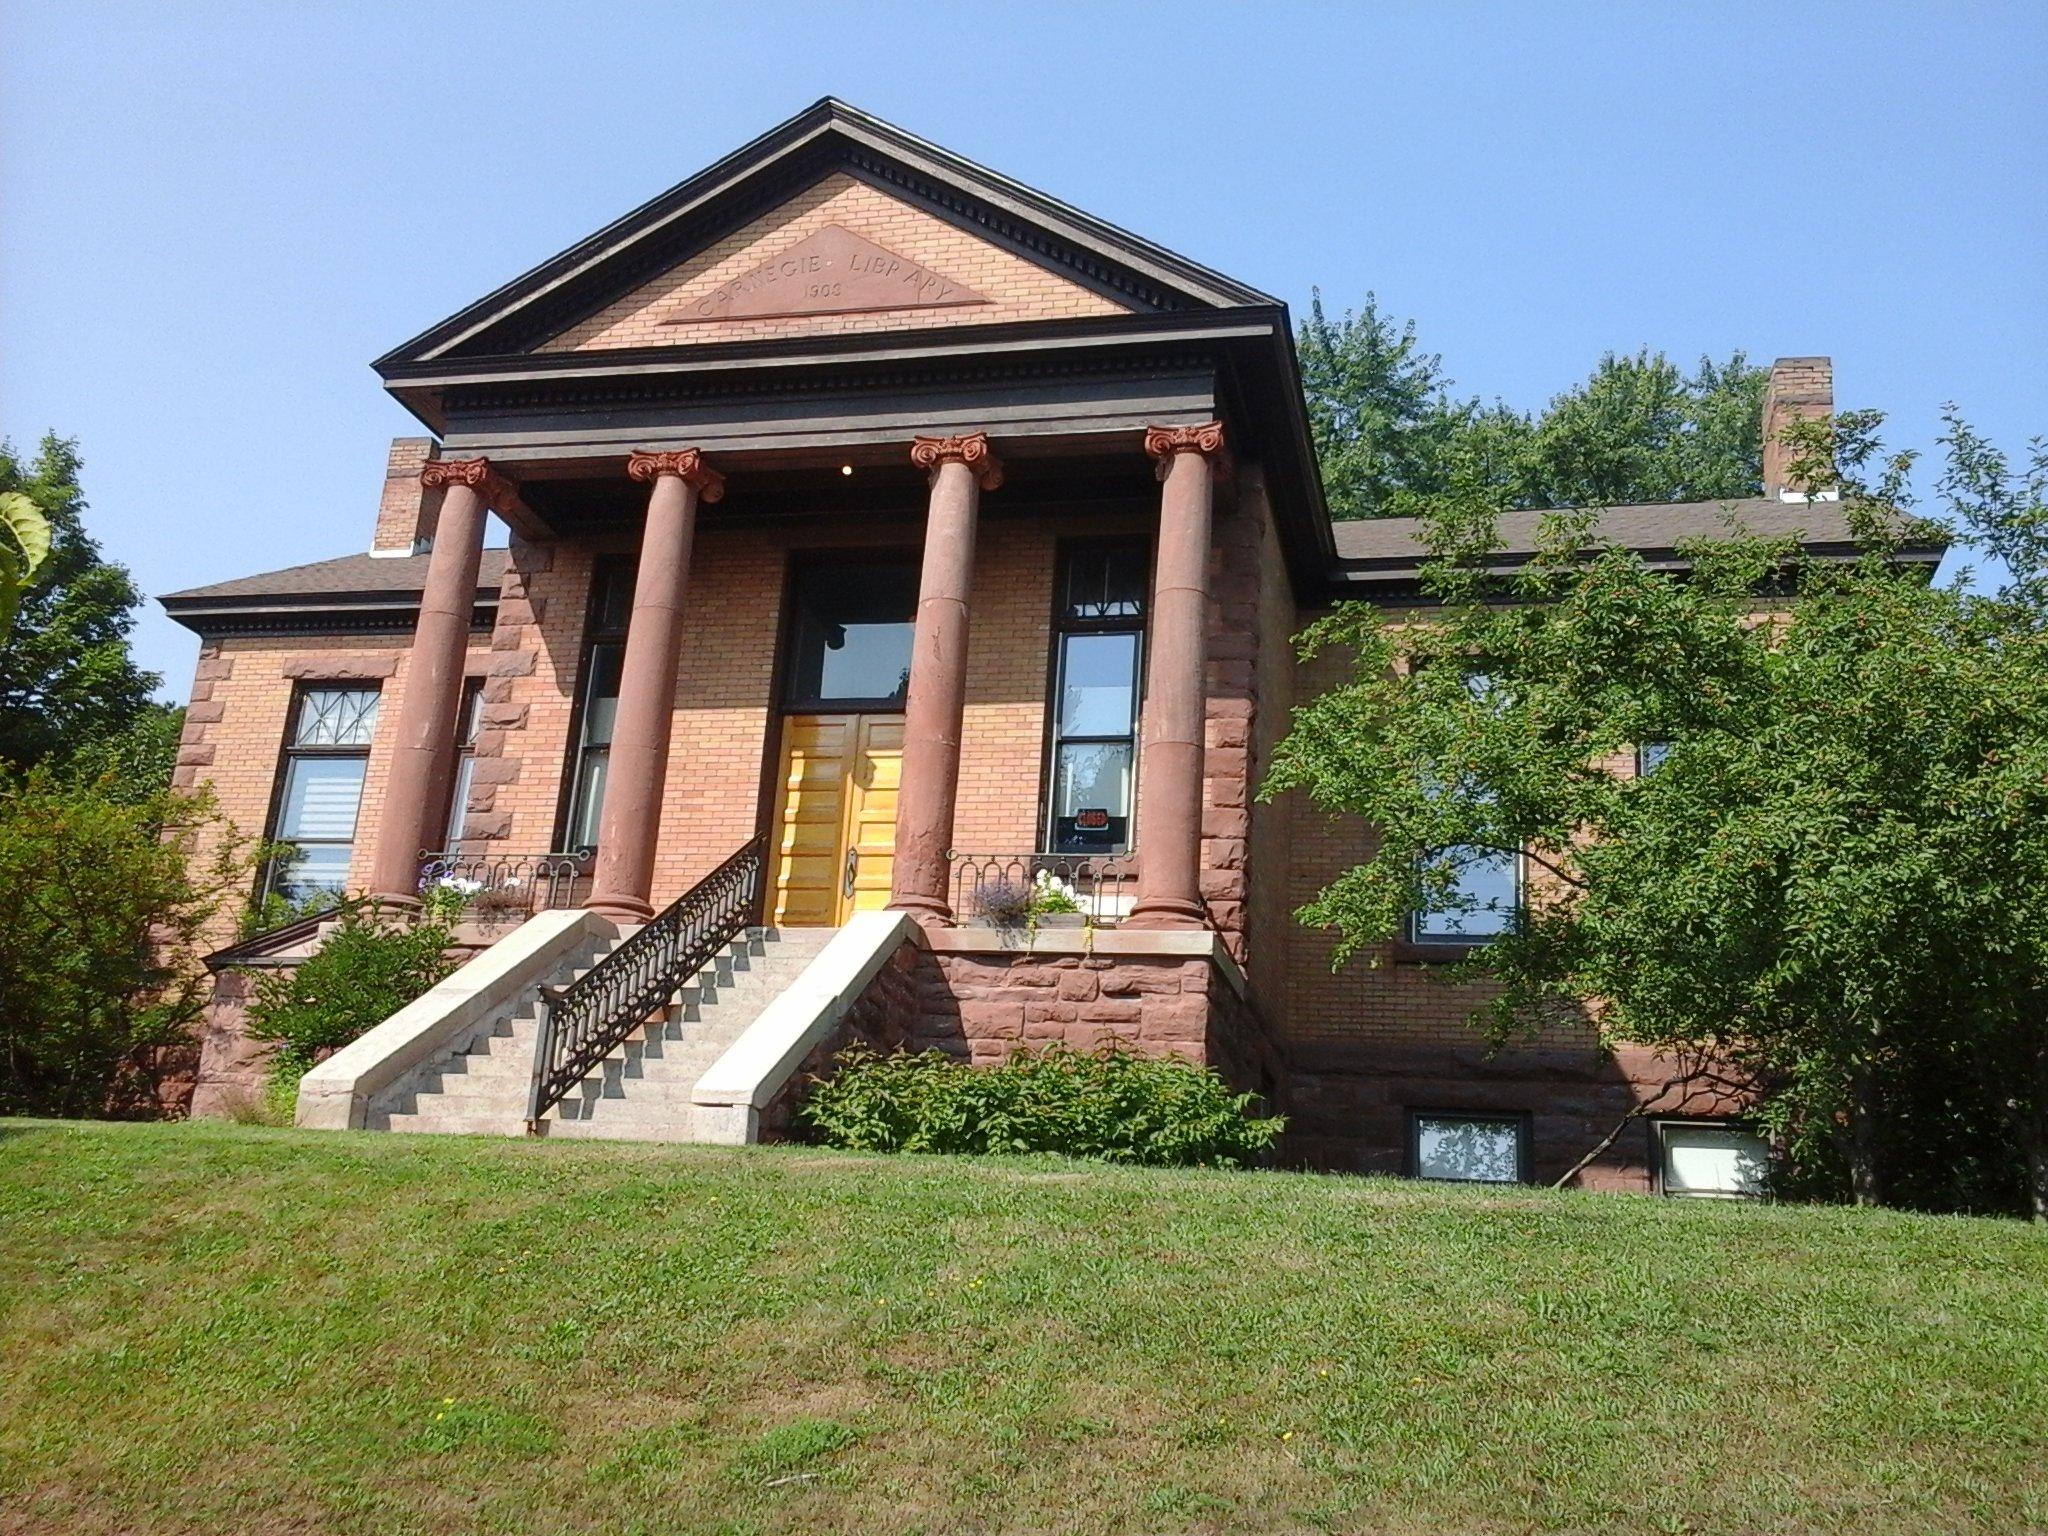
508, 885
1009, 889
582, 1022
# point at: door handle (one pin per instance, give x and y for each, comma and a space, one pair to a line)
852, 869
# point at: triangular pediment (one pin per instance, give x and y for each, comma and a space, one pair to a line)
840, 257
832, 272
693, 265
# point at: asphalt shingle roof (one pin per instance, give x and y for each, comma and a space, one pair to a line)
351, 575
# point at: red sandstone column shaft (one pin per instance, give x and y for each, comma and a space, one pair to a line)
1170, 748
961, 469
433, 675
630, 825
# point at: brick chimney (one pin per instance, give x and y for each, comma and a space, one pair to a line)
1801, 389
408, 512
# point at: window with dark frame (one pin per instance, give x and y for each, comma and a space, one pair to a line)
853, 621
1650, 757
1097, 665
320, 790
468, 719
1487, 899
1462, 1147
597, 702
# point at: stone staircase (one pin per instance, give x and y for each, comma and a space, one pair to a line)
641, 1091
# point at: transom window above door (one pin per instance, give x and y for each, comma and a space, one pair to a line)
853, 620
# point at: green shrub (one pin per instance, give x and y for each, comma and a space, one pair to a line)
102, 913
1114, 1105
371, 965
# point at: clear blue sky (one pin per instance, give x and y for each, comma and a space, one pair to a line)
212, 217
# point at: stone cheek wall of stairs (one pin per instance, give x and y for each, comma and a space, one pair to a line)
641, 1091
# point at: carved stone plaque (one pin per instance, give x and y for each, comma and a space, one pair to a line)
833, 272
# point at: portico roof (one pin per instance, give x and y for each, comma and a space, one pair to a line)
562, 372
825, 137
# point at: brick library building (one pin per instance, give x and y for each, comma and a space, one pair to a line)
893, 630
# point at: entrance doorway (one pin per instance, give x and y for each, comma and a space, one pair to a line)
836, 817
848, 667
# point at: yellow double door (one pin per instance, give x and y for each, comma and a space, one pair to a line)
835, 817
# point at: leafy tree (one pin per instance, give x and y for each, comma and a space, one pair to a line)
134, 763
1391, 436
101, 911
1640, 430
1378, 406
24, 546
66, 677
1835, 881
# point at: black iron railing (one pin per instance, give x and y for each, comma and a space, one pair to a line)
493, 883
582, 1022
1010, 889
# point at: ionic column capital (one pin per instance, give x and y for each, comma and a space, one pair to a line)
1167, 443
971, 449
686, 464
493, 489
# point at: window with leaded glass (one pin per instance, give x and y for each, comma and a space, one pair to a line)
597, 706
1098, 656
327, 750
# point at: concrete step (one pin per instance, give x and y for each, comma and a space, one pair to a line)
641, 1090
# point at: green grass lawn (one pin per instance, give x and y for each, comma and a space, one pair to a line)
208, 1328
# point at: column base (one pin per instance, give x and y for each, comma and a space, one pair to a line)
619, 909
398, 901
926, 911
1167, 914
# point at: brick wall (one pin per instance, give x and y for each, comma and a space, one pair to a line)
407, 511
240, 706
1388, 1034
1016, 288
1800, 389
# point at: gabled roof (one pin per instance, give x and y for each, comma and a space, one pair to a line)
825, 138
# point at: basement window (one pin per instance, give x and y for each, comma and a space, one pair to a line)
1710, 1160
1468, 1148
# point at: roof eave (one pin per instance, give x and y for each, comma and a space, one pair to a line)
1388, 575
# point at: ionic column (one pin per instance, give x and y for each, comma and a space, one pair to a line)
425, 749
637, 772
1170, 746
961, 468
